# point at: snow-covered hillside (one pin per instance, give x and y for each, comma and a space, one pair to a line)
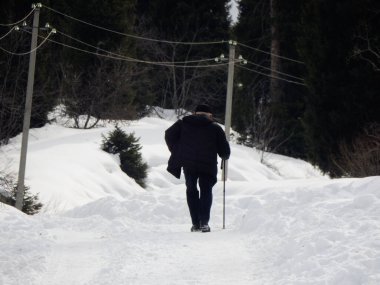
285, 224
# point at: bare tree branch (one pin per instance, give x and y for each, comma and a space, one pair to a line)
367, 47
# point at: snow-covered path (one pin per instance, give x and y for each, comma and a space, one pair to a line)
75, 257
118, 247
126, 244
166, 257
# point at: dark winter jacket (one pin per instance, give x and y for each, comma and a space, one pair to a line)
194, 143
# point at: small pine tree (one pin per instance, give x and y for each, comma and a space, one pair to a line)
31, 205
128, 148
8, 196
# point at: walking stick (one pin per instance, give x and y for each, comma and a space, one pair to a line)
224, 193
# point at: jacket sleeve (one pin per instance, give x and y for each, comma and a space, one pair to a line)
172, 138
223, 146
172, 135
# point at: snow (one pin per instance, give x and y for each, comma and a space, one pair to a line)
286, 223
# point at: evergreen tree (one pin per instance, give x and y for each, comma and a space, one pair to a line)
266, 120
8, 192
129, 150
251, 29
343, 97
289, 107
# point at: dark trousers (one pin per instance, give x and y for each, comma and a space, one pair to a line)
199, 205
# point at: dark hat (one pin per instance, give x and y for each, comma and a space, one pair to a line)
203, 108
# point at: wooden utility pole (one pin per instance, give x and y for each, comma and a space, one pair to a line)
227, 121
28, 109
230, 85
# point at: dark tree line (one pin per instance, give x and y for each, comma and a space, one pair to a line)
343, 98
320, 119
338, 42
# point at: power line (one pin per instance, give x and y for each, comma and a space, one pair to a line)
272, 54
6, 34
271, 76
28, 52
276, 71
23, 19
123, 58
130, 35
134, 59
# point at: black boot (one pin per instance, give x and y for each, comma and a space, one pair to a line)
205, 229
195, 228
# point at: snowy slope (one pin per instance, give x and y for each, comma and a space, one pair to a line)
287, 225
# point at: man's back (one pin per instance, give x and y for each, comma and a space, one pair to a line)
199, 143
200, 140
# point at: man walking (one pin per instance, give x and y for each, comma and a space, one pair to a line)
194, 143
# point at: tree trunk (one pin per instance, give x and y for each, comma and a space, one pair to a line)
275, 50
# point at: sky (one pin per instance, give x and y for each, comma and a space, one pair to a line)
234, 11
286, 223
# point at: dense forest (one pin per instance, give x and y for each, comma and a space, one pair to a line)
310, 88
